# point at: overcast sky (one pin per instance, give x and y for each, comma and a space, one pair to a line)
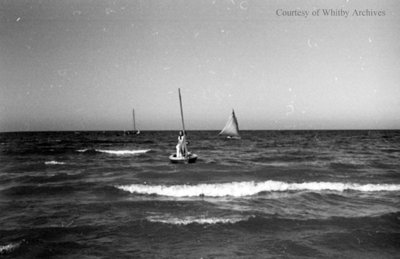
83, 65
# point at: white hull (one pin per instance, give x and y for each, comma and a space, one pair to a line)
191, 158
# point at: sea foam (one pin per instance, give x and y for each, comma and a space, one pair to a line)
117, 152
54, 163
239, 189
197, 220
9, 248
123, 152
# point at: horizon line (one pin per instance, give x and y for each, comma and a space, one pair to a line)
152, 130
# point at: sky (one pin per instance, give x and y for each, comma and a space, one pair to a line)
84, 65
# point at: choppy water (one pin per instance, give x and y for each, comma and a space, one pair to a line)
272, 194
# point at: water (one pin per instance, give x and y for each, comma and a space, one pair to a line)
272, 194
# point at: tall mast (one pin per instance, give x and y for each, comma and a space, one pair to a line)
180, 102
134, 123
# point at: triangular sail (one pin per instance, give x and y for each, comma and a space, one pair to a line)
231, 128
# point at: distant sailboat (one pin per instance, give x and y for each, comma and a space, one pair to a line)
135, 131
187, 157
231, 129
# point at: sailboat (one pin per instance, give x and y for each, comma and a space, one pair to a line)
231, 129
135, 131
187, 157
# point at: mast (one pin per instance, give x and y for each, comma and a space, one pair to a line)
183, 122
235, 121
183, 125
134, 123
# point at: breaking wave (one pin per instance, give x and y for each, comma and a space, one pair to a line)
116, 152
239, 189
9, 248
54, 163
197, 220
123, 152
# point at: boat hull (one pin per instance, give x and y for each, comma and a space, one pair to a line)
191, 158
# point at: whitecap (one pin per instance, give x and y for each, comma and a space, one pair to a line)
197, 220
240, 189
54, 163
124, 152
8, 248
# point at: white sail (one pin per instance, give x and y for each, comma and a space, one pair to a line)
231, 128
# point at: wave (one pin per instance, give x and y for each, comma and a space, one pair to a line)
116, 152
49, 178
84, 150
124, 152
9, 248
37, 189
239, 189
54, 163
197, 220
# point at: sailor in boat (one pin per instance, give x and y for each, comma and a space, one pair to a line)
181, 146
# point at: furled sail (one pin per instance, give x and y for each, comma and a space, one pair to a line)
231, 128
136, 131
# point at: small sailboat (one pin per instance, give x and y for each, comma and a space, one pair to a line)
186, 157
135, 131
231, 129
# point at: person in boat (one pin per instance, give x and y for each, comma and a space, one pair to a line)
181, 146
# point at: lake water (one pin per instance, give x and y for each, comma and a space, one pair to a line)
272, 194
